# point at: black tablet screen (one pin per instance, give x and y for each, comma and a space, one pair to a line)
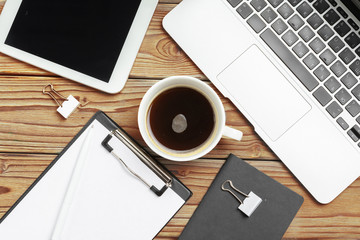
84, 35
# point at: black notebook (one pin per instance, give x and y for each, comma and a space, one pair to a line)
218, 216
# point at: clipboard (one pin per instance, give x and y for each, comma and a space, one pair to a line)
108, 202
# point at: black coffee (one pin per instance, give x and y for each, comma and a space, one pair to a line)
181, 118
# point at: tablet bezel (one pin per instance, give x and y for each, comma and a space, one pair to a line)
123, 65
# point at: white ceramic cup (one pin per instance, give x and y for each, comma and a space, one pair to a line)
219, 130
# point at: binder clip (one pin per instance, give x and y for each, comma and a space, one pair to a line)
251, 202
65, 108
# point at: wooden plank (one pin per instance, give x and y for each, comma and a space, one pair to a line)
29, 122
162, 53
340, 219
169, 1
157, 49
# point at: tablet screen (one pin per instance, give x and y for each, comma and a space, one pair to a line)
83, 35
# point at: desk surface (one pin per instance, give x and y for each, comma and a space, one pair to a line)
32, 133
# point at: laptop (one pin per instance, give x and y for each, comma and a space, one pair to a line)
292, 68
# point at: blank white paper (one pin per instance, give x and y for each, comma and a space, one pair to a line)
109, 203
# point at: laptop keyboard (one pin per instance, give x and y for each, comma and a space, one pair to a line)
320, 44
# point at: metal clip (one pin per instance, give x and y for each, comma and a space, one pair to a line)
250, 203
232, 186
67, 106
144, 157
52, 92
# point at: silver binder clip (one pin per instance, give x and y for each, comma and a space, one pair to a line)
65, 108
251, 202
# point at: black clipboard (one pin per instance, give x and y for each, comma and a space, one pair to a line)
6, 222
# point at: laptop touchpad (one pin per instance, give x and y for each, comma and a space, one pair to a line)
263, 92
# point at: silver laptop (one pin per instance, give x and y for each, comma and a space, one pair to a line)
292, 68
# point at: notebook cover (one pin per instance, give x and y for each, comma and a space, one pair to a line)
218, 216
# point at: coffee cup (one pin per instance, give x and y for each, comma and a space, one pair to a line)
181, 118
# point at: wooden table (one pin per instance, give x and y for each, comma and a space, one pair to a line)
32, 133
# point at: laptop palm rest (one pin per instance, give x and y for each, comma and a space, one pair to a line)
251, 80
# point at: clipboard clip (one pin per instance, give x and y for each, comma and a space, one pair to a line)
144, 157
251, 202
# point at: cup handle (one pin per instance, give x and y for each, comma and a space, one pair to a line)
232, 133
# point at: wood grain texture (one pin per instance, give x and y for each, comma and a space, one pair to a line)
32, 133
29, 121
337, 220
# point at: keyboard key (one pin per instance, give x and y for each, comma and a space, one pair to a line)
317, 45
311, 61
306, 33
356, 92
353, 108
321, 73
356, 130
269, 15
290, 38
234, 3
295, 22
342, 28
285, 10
347, 55
244, 10
325, 32
331, 17
321, 6
352, 39
300, 49
342, 12
315, 21
355, 67
322, 96
332, 2
358, 119
353, 24
327, 57
357, 51
343, 96
279, 26
336, 44
256, 23
304, 9
334, 109
289, 59
332, 84
294, 2
348, 80
342, 123
258, 4
338, 68
275, 3
353, 135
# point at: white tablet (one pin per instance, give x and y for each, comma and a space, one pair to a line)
89, 41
